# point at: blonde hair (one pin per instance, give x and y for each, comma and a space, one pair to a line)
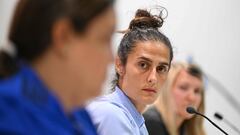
165, 104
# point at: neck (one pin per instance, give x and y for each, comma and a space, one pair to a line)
140, 107
50, 70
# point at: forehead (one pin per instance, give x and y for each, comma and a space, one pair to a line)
185, 77
153, 50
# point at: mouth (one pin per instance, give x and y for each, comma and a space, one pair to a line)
150, 90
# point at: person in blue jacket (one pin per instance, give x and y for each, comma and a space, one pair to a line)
56, 60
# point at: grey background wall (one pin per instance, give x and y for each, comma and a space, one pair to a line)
207, 30
6, 10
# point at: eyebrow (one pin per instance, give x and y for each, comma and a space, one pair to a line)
149, 60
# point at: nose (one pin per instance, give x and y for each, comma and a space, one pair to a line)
152, 77
191, 96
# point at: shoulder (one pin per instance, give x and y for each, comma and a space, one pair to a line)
11, 115
154, 122
107, 109
152, 114
18, 116
12, 109
109, 118
82, 116
10, 103
11, 86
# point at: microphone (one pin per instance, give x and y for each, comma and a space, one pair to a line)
191, 110
220, 117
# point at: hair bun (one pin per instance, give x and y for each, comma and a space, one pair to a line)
144, 19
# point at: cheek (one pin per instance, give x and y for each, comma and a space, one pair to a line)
131, 81
177, 95
97, 66
178, 98
180, 106
131, 75
162, 79
90, 65
198, 101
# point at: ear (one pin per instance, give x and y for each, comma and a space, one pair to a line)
119, 67
62, 33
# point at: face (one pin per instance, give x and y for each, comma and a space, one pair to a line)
186, 91
145, 72
90, 54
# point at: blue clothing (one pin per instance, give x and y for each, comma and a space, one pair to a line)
115, 114
28, 108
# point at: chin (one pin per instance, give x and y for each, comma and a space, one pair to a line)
188, 116
149, 100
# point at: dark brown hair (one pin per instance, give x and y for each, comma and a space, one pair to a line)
144, 27
30, 31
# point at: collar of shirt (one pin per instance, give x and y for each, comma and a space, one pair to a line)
37, 92
120, 98
30, 107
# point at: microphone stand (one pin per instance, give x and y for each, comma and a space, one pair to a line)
223, 90
220, 117
191, 110
212, 122
232, 126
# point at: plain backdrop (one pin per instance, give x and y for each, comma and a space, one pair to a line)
205, 31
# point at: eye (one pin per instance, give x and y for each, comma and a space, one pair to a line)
162, 69
143, 65
197, 91
183, 87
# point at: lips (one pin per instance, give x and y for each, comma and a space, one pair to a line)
150, 90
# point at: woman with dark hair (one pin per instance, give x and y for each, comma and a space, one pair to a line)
142, 64
168, 115
52, 72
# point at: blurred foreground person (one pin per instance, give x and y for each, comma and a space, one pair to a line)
51, 71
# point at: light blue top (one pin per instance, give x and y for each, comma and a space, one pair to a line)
115, 114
